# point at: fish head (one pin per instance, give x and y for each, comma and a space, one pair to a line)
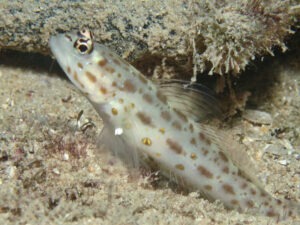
85, 63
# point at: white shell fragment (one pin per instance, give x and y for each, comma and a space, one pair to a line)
284, 162
275, 149
56, 171
66, 156
257, 117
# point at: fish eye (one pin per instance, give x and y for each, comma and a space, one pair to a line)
83, 45
82, 48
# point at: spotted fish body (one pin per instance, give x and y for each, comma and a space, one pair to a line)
137, 111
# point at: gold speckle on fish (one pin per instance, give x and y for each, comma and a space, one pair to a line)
162, 130
114, 111
193, 156
147, 141
158, 154
179, 166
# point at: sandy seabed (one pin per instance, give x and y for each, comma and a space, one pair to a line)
53, 172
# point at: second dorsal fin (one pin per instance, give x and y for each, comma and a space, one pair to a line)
194, 100
234, 151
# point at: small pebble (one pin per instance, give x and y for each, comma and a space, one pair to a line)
91, 169
284, 162
56, 171
66, 156
4, 106
194, 194
257, 117
275, 149
11, 171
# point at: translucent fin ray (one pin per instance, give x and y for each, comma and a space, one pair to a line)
119, 147
194, 100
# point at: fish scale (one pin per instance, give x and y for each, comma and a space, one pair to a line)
141, 125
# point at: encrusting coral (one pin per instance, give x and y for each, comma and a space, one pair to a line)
235, 34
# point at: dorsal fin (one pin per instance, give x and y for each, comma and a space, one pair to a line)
194, 100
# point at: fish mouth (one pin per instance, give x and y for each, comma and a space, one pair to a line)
55, 45
60, 49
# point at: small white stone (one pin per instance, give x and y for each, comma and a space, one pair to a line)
286, 144
194, 194
66, 156
274, 149
284, 162
51, 131
257, 117
4, 106
56, 171
11, 171
118, 131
